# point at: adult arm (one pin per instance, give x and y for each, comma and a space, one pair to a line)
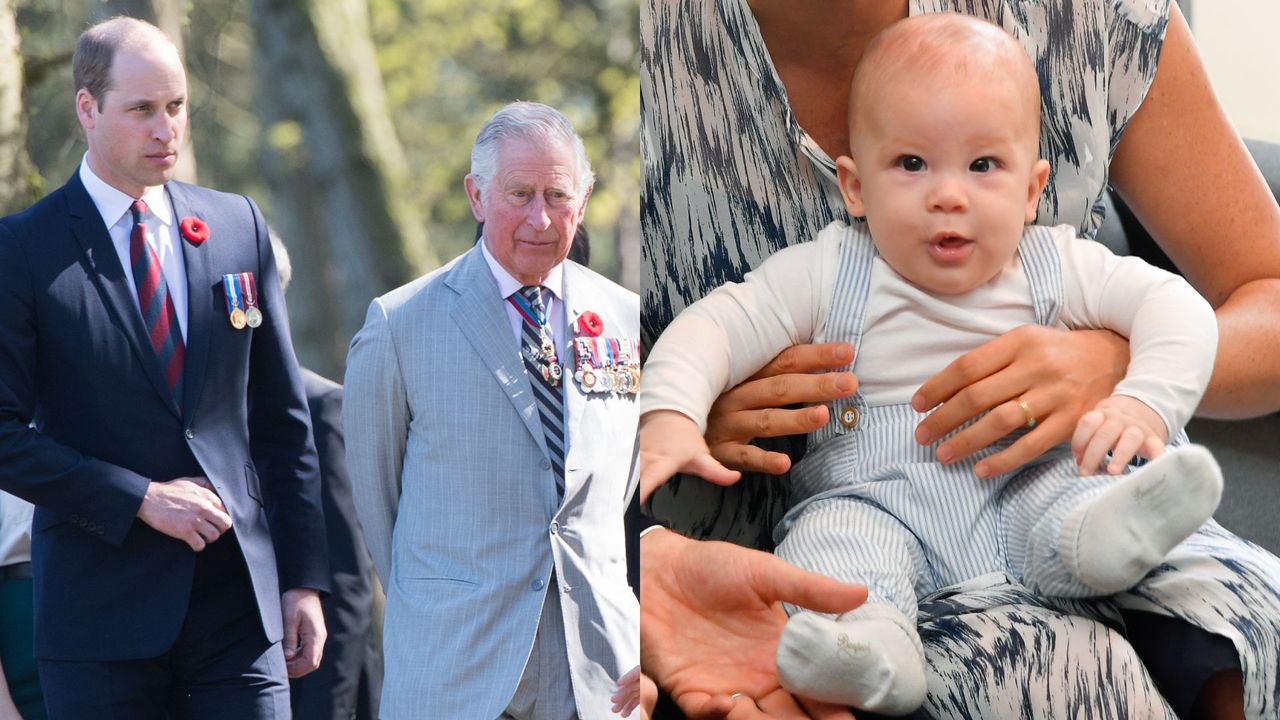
1184, 171
102, 497
280, 441
284, 456
375, 421
720, 341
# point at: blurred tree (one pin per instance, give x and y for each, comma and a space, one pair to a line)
334, 165
18, 181
449, 64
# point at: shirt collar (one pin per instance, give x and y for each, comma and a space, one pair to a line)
508, 285
113, 204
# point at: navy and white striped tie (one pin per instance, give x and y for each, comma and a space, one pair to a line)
541, 364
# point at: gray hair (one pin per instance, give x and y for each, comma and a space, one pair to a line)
531, 122
284, 266
96, 51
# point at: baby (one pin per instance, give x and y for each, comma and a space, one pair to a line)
944, 167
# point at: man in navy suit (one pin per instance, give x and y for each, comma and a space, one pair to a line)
151, 409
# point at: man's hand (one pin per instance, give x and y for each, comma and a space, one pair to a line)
1059, 374
1123, 426
186, 509
670, 443
754, 409
304, 631
635, 689
710, 621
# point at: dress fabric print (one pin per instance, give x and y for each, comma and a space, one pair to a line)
729, 177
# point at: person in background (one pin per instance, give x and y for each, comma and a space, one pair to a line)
20, 697
349, 680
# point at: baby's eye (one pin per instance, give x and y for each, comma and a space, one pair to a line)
982, 165
911, 163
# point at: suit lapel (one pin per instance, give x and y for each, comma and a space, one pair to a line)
483, 321
108, 275
199, 301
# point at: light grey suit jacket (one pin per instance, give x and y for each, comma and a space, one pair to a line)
454, 490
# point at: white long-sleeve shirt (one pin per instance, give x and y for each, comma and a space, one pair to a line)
909, 335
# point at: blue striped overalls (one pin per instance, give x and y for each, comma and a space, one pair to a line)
874, 507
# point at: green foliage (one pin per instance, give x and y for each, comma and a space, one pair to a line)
449, 64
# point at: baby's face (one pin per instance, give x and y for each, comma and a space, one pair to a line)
946, 171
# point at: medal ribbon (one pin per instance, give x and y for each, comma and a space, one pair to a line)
232, 286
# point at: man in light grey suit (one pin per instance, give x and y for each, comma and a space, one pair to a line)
491, 438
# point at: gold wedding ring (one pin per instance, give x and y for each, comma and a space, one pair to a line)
1026, 412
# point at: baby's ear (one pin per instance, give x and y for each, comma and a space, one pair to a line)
850, 185
1039, 178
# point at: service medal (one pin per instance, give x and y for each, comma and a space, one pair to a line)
252, 317
238, 319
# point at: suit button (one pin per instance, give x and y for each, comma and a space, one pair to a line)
539, 584
190, 433
546, 464
555, 527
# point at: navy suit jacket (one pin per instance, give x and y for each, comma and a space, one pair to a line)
87, 421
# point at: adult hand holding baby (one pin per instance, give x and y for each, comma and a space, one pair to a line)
808, 373
1059, 374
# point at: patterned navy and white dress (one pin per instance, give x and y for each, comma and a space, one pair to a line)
730, 177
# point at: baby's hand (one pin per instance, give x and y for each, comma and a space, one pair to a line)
635, 690
1123, 425
670, 443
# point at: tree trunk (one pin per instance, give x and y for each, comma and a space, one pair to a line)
18, 185
335, 167
171, 17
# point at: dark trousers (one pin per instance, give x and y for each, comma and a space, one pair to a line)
16, 648
220, 667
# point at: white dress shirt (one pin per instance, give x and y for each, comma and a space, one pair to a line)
162, 235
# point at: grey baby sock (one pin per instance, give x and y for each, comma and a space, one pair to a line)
870, 659
1113, 540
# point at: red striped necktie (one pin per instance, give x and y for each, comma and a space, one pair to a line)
156, 304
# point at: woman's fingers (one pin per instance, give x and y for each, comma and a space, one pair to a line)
808, 358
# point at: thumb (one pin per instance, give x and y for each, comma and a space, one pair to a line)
782, 581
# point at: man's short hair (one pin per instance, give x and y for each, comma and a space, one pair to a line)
531, 122
96, 51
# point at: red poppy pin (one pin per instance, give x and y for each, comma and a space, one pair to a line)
194, 229
590, 324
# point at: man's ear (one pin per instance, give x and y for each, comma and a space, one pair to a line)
85, 106
582, 209
473, 197
850, 185
1039, 178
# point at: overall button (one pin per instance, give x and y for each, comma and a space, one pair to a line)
539, 584
849, 416
190, 433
